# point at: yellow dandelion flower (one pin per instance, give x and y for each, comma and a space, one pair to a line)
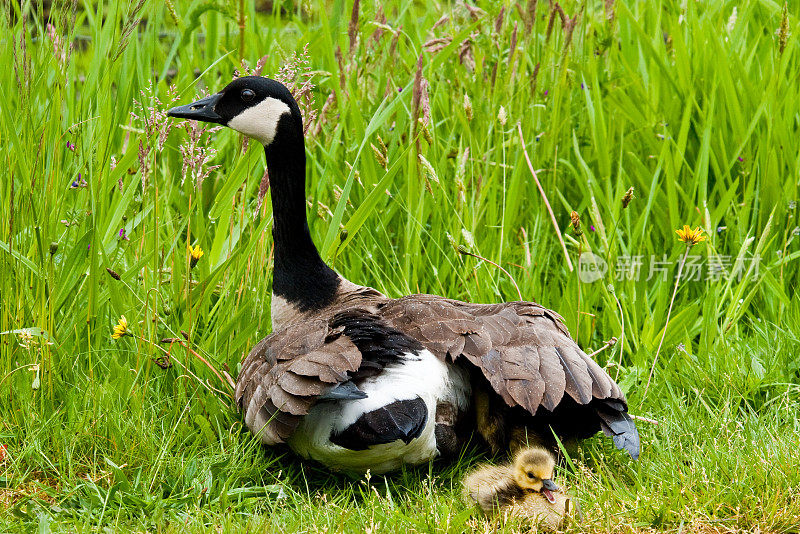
121, 328
195, 254
689, 236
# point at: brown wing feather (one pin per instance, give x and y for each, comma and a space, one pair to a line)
285, 373
523, 349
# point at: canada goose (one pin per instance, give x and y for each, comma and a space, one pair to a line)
523, 489
357, 380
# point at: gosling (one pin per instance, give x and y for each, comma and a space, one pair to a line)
524, 489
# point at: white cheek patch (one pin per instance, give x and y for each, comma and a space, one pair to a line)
260, 121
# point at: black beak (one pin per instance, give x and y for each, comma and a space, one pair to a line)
202, 110
548, 484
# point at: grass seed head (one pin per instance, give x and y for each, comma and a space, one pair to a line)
380, 157
627, 197
783, 31
502, 116
575, 221
468, 107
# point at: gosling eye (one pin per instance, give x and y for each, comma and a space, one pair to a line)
248, 95
531, 475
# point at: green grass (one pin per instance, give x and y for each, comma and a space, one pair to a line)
698, 114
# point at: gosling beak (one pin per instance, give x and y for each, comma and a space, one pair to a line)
548, 487
202, 110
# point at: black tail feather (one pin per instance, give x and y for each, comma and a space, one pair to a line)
618, 425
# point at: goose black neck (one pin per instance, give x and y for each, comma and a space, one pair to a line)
300, 276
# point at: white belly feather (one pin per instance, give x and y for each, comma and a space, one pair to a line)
424, 376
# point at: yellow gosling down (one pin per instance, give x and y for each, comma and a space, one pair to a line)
523, 489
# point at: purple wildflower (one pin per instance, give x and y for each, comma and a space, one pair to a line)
70, 146
122, 234
741, 159
545, 92
79, 182
591, 227
583, 86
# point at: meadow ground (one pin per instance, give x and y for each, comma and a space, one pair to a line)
417, 155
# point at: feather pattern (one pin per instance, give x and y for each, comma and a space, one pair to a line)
522, 349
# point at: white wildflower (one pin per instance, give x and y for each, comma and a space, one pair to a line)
430, 173
731, 21
468, 238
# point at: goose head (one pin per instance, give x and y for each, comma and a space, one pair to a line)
264, 110
533, 471
260, 108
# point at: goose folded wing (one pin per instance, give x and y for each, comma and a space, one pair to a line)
522, 349
287, 372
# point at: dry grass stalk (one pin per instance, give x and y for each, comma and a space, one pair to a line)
569, 30
393, 44
783, 31
512, 50
380, 18
607, 344
171, 357
530, 19
342, 69
534, 78
435, 45
444, 19
416, 98
610, 11
556, 10
461, 172
475, 12
352, 27
22, 64
425, 102
465, 55
498, 22
544, 196
323, 114
417, 89
463, 250
263, 187
380, 157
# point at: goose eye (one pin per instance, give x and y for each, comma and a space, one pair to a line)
530, 475
248, 95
